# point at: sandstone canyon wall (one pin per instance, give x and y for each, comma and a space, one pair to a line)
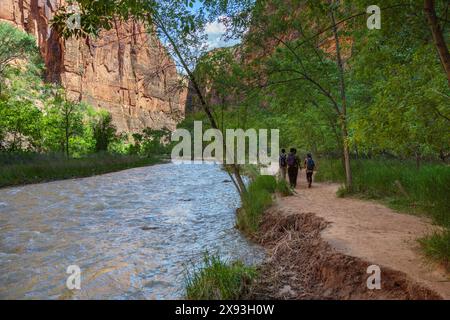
125, 70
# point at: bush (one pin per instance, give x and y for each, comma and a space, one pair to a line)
437, 247
257, 199
283, 188
218, 280
151, 142
104, 131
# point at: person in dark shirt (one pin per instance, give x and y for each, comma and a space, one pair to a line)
310, 166
283, 164
293, 162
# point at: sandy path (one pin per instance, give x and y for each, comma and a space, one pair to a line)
370, 231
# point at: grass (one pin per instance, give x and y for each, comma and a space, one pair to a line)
216, 279
257, 199
437, 247
26, 168
403, 187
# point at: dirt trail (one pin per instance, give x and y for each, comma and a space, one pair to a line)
321, 246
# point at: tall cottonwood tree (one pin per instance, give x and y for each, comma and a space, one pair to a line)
316, 67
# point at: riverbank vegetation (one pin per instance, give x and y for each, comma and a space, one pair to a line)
19, 169
258, 197
45, 136
216, 279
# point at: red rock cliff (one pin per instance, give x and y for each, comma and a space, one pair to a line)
125, 71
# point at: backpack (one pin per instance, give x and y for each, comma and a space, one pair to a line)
291, 160
283, 162
310, 164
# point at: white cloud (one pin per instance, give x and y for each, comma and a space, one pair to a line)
215, 31
215, 28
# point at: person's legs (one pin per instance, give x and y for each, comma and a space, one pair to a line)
309, 178
295, 176
291, 174
283, 173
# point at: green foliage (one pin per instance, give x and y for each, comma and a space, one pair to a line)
151, 142
20, 84
255, 201
20, 122
283, 188
63, 121
15, 45
216, 279
104, 131
405, 114
437, 247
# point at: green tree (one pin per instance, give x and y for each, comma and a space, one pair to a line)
14, 45
62, 122
20, 123
399, 94
104, 131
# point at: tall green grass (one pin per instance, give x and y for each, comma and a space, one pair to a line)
256, 200
216, 279
404, 187
25, 168
437, 247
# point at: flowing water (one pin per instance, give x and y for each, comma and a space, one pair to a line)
132, 233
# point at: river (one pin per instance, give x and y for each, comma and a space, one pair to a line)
132, 233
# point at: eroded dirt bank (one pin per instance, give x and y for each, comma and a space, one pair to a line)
320, 247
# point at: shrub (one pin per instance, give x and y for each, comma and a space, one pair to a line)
255, 200
216, 279
437, 247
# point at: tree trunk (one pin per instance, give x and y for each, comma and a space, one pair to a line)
346, 152
438, 37
206, 108
343, 115
67, 136
67, 144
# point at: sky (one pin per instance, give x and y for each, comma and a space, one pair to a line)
215, 31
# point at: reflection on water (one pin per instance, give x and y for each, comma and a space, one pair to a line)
131, 232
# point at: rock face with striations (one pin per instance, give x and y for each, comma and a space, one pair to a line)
125, 70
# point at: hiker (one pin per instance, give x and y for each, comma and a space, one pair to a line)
310, 166
293, 163
283, 164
